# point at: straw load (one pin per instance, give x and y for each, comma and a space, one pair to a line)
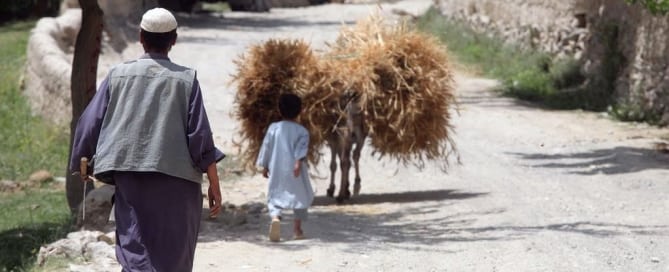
400, 78
269, 70
409, 91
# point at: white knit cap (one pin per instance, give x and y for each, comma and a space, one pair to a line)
158, 20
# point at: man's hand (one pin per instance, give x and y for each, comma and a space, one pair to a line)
265, 173
297, 168
214, 192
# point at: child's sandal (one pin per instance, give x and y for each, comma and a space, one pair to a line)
275, 230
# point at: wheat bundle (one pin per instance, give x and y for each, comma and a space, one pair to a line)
267, 71
410, 91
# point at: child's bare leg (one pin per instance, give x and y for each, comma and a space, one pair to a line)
297, 228
300, 215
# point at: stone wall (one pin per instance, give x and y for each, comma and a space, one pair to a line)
555, 27
638, 43
46, 80
624, 49
50, 50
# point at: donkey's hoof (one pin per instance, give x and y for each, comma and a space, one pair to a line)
340, 200
347, 194
356, 189
330, 192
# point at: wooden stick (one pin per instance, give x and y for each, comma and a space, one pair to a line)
83, 167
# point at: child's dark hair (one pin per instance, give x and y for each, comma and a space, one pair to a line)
290, 105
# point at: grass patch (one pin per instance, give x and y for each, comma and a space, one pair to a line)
216, 7
38, 216
30, 219
28, 142
526, 74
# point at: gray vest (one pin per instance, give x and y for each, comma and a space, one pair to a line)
145, 126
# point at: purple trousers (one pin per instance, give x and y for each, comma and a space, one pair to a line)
157, 221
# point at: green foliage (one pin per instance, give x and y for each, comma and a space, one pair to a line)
21, 9
526, 74
29, 220
633, 113
658, 7
28, 143
216, 7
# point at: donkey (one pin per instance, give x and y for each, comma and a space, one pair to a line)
347, 133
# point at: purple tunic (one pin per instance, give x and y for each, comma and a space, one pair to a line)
157, 215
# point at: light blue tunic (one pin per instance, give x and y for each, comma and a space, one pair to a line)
286, 142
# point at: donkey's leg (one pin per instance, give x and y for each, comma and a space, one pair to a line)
356, 161
360, 134
345, 165
333, 168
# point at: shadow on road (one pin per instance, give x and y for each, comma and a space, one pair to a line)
249, 21
599, 229
618, 160
487, 96
422, 221
406, 197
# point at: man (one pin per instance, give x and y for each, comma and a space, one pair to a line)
149, 135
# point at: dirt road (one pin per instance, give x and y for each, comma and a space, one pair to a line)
537, 190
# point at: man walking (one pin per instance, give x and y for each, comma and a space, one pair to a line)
149, 135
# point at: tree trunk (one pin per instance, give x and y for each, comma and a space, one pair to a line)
83, 81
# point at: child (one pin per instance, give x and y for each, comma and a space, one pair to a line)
283, 158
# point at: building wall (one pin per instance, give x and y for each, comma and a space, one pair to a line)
622, 47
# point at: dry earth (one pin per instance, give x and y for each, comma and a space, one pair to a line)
537, 190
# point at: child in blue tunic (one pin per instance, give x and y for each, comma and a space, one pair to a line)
283, 159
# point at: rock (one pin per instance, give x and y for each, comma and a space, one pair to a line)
229, 206
98, 208
485, 20
254, 207
580, 20
107, 238
40, 177
99, 251
238, 218
78, 247
9, 186
655, 259
84, 236
69, 247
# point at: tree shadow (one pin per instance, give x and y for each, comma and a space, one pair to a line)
424, 225
598, 229
610, 161
406, 197
19, 246
494, 98
368, 222
240, 23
